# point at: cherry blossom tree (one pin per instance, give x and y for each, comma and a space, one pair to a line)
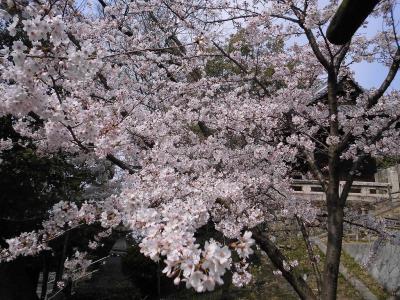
130, 81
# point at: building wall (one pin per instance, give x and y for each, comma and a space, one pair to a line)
390, 175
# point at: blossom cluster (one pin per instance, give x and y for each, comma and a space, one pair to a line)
63, 217
76, 266
209, 129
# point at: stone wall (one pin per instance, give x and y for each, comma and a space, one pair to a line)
384, 265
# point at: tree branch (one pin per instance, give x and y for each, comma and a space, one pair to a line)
278, 258
341, 54
123, 165
240, 66
373, 99
310, 37
315, 169
310, 252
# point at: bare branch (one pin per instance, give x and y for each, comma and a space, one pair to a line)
278, 259
123, 165
341, 54
310, 252
315, 169
373, 99
240, 66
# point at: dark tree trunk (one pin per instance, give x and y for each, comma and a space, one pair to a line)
334, 247
333, 204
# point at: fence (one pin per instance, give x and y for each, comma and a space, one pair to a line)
371, 192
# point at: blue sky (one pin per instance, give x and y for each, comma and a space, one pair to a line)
371, 75
368, 75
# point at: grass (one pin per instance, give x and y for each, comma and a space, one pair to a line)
294, 248
364, 276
